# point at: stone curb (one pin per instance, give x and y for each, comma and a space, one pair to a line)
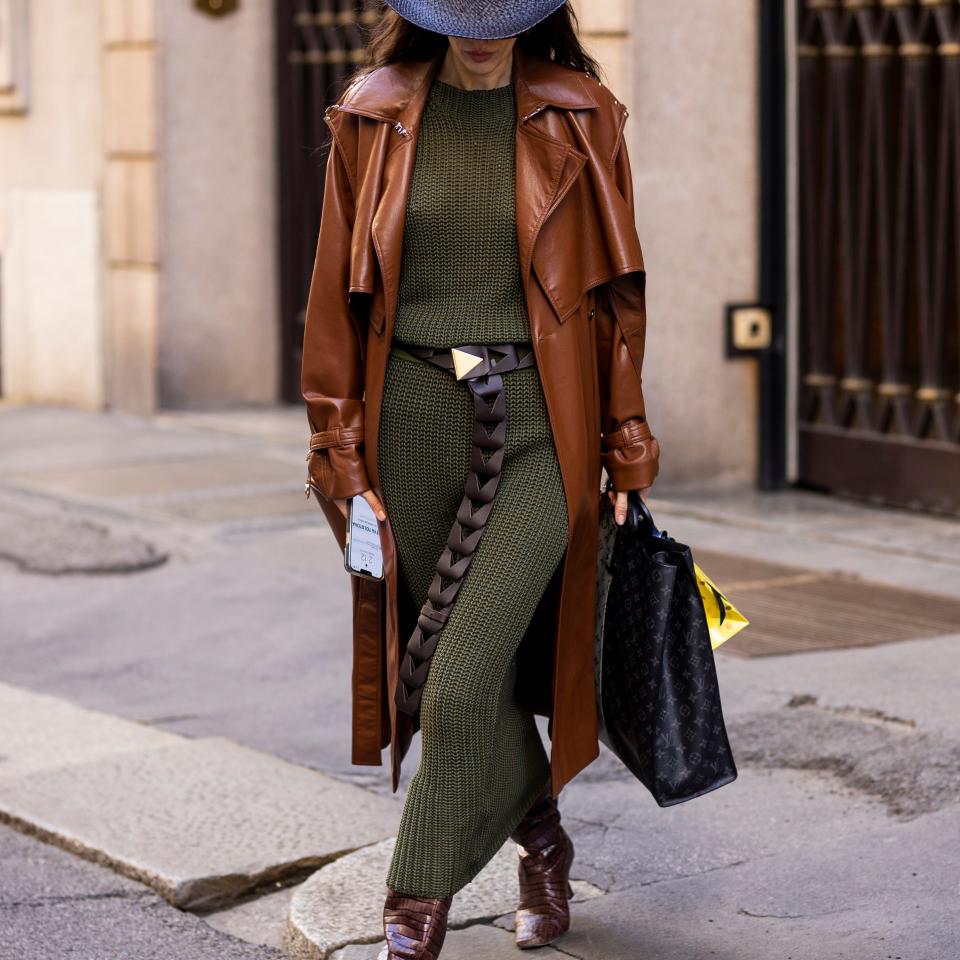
203, 822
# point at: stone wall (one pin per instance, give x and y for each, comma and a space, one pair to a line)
219, 302
51, 294
130, 195
687, 72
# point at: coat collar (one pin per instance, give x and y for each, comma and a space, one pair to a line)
397, 91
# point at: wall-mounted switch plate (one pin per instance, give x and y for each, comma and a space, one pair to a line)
216, 8
749, 329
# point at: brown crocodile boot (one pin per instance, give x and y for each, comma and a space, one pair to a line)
415, 927
546, 853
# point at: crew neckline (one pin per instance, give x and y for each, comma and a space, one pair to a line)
456, 89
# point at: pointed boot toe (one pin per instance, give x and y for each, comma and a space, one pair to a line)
414, 927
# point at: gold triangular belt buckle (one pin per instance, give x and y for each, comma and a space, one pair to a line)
463, 362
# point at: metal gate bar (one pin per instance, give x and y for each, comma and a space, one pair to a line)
879, 179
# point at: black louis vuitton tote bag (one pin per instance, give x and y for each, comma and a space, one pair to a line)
658, 700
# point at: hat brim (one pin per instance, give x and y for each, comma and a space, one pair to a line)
493, 20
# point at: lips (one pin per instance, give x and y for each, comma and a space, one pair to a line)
479, 55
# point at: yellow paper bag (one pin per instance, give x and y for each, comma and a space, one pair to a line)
723, 618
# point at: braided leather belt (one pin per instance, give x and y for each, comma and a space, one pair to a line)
481, 365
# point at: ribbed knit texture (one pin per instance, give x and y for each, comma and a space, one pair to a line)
482, 759
460, 271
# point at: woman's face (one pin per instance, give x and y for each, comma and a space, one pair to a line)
480, 59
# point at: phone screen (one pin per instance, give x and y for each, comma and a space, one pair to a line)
364, 553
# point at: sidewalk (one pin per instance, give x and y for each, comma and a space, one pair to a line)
170, 595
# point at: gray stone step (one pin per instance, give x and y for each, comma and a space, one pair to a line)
202, 822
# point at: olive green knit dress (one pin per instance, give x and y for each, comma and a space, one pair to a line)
483, 762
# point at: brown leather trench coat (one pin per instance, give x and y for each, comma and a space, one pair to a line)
583, 277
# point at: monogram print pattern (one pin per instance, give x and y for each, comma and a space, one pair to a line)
658, 700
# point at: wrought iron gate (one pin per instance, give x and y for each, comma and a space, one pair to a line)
319, 42
879, 244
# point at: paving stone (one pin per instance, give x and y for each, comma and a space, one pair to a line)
203, 822
157, 478
885, 757
837, 520
282, 424
39, 440
56, 543
40, 732
261, 920
483, 942
622, 838
887, 894
277, 501
761, 532
871, 679
357, 951
257, 655
870, 751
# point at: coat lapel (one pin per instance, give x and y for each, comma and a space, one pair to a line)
546, 169
545, 166
406, 106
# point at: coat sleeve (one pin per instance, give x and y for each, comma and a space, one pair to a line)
629, 451
332, 371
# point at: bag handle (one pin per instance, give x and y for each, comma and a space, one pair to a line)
639, 516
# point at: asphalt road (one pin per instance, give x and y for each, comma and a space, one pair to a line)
54, 905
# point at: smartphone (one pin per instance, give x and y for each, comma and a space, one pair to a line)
363, 553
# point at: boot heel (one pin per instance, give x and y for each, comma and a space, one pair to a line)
546, 855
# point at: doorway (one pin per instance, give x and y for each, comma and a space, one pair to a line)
319, 43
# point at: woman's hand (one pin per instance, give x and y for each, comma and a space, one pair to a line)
371, 498
619, 500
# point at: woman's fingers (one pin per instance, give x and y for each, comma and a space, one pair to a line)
375, 504
371, 498
619, 500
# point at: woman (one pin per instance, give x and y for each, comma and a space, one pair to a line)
472, 353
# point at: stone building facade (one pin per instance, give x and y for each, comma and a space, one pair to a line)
139, 213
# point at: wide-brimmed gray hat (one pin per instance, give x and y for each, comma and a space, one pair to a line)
478, 19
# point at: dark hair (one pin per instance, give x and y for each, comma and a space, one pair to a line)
393, 39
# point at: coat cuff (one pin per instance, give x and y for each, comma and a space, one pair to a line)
337, 472
631, 455
336, 463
